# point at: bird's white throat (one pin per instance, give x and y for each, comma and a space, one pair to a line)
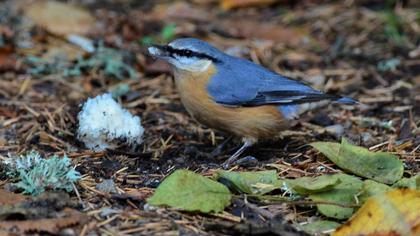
190, 64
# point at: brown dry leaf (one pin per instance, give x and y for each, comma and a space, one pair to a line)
60, 18
44, 137
10, 198
268, 31
7, 112
231, 4
49, 212
57, 47
137, 194
69, 217
395, 213
182, 10
7, 61
52, 48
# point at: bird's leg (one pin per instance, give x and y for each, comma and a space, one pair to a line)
218, 150
247, 143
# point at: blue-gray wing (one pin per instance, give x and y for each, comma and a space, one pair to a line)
243, 83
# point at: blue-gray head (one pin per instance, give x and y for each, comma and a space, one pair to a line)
188, 54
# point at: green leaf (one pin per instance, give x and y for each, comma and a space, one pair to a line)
411, 183
379, 166
260, 182
371, 188
168, 32
308, 185
189, 191
319, 227
394, 27
147, 40
343, 193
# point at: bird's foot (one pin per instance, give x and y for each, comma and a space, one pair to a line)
219, 149
247, 161
247, 143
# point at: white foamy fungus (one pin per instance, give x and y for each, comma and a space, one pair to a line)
103, 124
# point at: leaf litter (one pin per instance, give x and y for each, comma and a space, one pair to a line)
48, 213
365, 50
188, 191
380, 166
397, 212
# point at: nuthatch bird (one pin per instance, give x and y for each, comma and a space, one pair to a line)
236, 95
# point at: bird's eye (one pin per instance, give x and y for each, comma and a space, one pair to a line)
188, 53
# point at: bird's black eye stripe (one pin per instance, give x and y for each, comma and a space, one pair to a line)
188, 53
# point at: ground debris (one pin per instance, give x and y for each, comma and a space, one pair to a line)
366, 50
59, 18
48, 213
275, 226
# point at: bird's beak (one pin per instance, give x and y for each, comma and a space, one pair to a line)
158, 51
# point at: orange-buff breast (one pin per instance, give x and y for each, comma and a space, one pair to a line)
262, 122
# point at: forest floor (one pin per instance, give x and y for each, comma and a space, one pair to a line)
360, 49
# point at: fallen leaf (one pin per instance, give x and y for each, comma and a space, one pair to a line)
39, 207
379, 166
308, 185
343, 193
7, 60
251, 29
337, 189
182, 10
56, 48
136, 194
259, 182
7, 112
60, 18
371, 188
186, 190
48, 213
67, 217
395, 213
231, 4
319, 227
7, 197
411, 183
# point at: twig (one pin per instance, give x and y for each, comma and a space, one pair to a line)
291, 202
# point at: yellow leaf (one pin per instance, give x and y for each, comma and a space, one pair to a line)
395, 213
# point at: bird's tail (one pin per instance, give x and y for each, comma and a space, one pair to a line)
347, 100
293, 111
